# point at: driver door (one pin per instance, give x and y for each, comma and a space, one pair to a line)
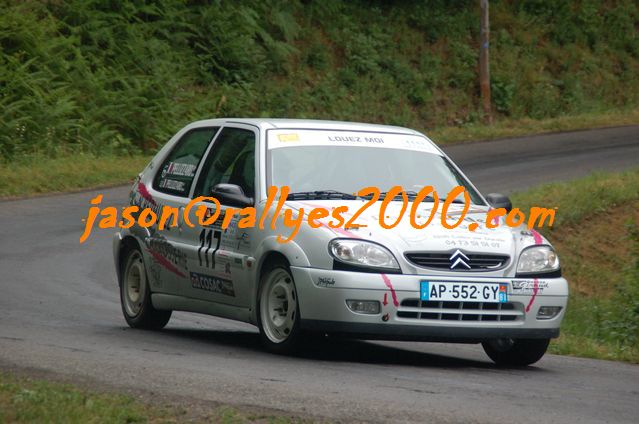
218, 257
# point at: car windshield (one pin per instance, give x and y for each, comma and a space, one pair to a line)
333, 162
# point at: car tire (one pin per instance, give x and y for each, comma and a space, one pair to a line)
135, 294
517, 352
278, 315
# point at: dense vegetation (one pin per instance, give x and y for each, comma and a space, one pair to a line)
109, 77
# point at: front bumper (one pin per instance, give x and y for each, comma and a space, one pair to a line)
322, 296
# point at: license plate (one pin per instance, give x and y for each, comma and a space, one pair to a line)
469, 292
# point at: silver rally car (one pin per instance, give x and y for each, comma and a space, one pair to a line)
501, 287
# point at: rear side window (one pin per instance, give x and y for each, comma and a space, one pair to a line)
176, 174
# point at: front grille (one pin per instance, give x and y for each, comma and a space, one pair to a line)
477, 262
460, 311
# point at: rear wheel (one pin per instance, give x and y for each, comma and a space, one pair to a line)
135, 295
278, 310
516, 352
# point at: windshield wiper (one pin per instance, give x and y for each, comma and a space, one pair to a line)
339, 195
321, 195
411, 195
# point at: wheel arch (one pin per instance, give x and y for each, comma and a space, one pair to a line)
127, 243
269, 258
266, 259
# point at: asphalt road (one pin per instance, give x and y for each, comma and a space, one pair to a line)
513, 164
59, 313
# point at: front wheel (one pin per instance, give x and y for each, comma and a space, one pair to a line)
278, 311
135, 295
516, 352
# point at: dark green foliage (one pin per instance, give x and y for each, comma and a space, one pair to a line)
104, 76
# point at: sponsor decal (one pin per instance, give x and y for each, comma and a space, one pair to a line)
355, 139
244, 241
166, 263
525, 235
283, 139
527, 287
227, 264
212, 284
231, 234
173, 185
238, 262
483, 242
325, 282
288, 137
167, 255
208, 213
179, 169
417, 143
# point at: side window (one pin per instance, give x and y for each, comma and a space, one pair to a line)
231, 160
176, 174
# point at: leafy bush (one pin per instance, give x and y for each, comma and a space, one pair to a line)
503, 92
105, 77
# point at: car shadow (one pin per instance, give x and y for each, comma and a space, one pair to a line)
330, 349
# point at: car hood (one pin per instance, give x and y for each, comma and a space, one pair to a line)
435, 237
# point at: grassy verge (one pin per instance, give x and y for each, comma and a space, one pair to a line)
24, 400
39, 174
596, 236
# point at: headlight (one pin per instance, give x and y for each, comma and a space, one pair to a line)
538, 259
362, 253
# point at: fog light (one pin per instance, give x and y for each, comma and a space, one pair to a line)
548, 312
371, 307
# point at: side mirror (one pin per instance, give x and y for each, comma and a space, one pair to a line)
231, 195
497, 200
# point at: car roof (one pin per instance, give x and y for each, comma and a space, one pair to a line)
274, 123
